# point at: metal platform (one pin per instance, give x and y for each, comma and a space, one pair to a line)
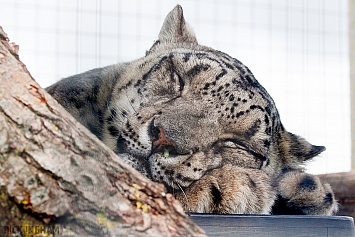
275, 226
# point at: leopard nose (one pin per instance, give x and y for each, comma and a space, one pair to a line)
160, 140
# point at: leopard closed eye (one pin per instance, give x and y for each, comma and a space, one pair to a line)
197, 120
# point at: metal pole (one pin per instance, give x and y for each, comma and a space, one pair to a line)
352, 76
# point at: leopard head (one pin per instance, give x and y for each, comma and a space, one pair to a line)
185, 109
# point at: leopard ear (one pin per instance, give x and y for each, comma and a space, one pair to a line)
175, 29
296, 148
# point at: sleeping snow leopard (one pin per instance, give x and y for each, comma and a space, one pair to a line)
196, 120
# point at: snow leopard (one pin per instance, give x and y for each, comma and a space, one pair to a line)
197, 120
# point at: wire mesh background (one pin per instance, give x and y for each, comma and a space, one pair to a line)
297, 49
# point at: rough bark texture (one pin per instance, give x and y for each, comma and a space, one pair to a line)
343, 185
55, 176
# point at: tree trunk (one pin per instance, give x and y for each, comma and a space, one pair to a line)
57, 178
343, 185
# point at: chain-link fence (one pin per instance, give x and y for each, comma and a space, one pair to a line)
297, 49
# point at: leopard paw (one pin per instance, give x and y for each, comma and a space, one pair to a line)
304, 194
229, 189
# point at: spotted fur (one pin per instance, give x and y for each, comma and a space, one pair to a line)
196, 120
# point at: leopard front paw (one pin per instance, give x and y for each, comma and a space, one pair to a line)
229, 189
304, 194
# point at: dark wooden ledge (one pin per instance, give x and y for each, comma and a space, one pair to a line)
275, 226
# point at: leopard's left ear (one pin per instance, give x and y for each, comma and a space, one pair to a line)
296, 149
175, 29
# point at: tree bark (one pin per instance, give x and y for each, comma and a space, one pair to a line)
343, 185
57, 178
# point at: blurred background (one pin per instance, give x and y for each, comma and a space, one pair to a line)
297, 49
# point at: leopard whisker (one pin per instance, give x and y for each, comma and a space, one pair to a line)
187, 201
130, 102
